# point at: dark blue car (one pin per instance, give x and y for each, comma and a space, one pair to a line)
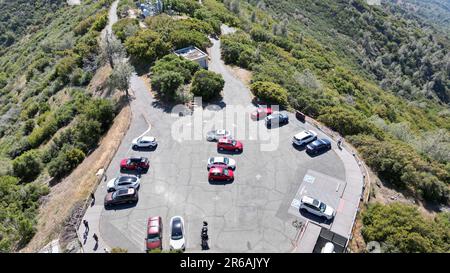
276, 119
318, 146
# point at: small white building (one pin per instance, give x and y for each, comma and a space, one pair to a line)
194, 54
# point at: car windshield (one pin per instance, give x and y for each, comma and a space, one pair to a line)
233, 142
177, 232
225, 160
225, 172
153, 237
322, 207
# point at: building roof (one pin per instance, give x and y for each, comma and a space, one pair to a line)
191, 53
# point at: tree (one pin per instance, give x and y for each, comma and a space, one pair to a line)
167, 83
207, 84
112, 49
146, 46
270, 92
120, 77
27, 166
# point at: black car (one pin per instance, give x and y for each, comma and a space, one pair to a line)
121, 196
319, 145
276, 119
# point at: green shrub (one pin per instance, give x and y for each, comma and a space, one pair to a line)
183, 6
67, 160
174, 63
400, 165
346, 121
18, 210
146, 46
401, 228
122, 27
270, 92
27, 166
207, 84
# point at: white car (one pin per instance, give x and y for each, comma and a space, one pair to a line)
217, 134
304, 137
222, 161
177, 239
124, 181
144, 142
317, 207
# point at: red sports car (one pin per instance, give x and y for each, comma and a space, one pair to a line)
134, 163
261, 112
220, 174
226, 144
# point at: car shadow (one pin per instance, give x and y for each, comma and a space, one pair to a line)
135, 172
315, 218
121, 206
299, 147
141, 149
217, 182
229, 152
277, 126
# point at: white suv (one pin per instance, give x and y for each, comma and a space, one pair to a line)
144, 142
304, 137
316, 207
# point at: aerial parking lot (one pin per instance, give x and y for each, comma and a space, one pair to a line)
254, 212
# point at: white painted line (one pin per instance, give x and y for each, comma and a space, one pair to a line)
338, 185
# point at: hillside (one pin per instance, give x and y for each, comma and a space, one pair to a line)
378, 75
49, 122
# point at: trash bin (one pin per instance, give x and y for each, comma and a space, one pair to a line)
300, 116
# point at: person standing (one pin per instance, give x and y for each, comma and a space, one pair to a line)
93, 198
95, 238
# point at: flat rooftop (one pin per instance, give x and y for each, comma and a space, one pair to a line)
191, 53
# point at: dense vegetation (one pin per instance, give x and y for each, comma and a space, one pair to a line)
401, 228
23, 16
285, 58
48, 120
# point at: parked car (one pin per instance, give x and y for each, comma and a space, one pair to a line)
123, 181
177, 239
154, 233
134, 164
304, 137
319, 145
317, 207
276, 119
144, 142
328, 248
121, 196
220, 161
217, 134
220, 174
225, 144
261, 112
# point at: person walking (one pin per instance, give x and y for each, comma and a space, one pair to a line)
95, 238
86, 225
93, 199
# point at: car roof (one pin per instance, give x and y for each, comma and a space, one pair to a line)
220, 131
324, 140
310, 200
225, 140
153, 225
216, 169
127, 191
305, 133
218, 159
127, 178
148, 138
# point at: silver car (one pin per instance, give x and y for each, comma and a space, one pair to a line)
124, 181
215, 135
222, 161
